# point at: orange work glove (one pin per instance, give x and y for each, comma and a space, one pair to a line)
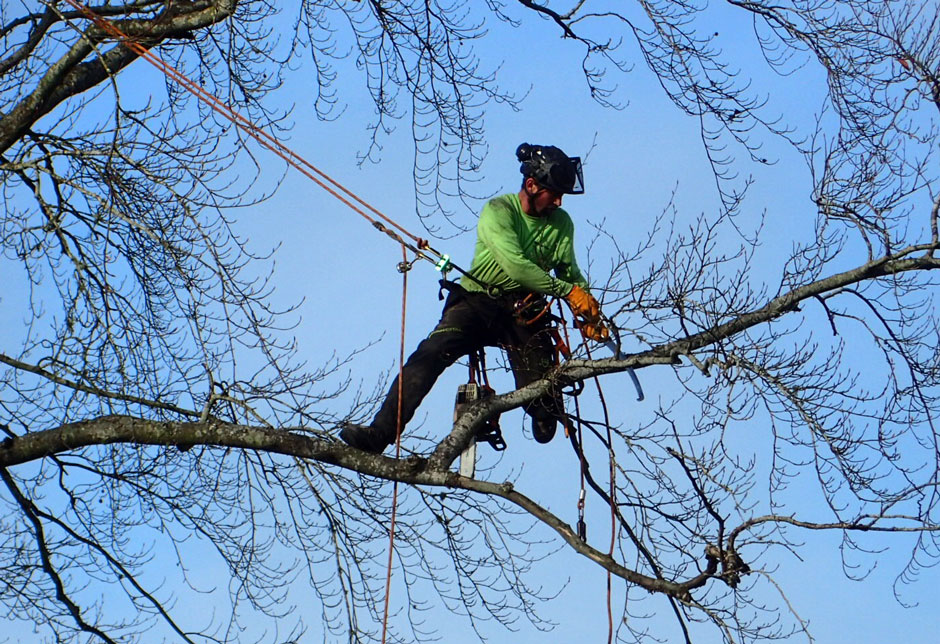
583, 304
596, 331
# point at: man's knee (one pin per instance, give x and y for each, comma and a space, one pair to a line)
444, 345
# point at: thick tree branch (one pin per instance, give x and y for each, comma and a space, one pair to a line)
109, 430
669, 353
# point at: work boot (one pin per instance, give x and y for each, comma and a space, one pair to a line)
365, 437
543, 429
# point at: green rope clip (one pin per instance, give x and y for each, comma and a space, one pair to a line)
443, 264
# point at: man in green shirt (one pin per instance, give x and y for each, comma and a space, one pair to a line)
525, 248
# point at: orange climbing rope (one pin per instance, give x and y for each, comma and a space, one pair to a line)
398, 428
323, 180
265, 139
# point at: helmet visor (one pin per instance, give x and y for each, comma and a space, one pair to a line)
566, 177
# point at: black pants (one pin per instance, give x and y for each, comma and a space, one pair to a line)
469, 322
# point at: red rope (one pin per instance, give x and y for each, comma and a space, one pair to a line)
582, 461
612, 460
398, 429
265, 139
583, 466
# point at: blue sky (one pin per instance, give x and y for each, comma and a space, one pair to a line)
639, 157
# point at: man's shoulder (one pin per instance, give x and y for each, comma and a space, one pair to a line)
502, 207
508, 202
561, 219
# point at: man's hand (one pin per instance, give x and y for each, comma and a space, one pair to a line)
583, 304
588, 311
595, 331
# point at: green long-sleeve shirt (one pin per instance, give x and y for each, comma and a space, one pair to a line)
515, 251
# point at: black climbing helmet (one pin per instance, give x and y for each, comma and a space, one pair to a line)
551, 168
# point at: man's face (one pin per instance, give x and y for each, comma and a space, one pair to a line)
543, 200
